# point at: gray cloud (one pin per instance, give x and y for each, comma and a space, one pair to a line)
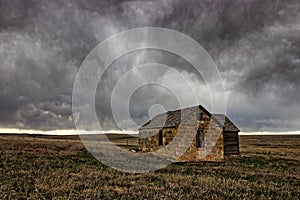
255, 43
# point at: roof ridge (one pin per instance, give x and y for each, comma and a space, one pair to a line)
173, 119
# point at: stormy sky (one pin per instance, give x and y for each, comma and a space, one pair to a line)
255, 43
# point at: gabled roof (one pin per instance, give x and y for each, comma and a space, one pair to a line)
228, 125
173, 119
169, 119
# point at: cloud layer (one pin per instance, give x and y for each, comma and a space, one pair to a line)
256, 45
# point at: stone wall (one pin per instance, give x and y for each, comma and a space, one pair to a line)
152, 140
213, 139
186, 139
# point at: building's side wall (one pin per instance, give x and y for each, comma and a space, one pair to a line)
152, 140
150, 135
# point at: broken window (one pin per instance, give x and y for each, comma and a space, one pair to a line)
200, 139
144, 140
199, 116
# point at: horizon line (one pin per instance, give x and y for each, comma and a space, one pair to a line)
82, 132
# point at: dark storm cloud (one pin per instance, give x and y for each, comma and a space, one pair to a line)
256, 44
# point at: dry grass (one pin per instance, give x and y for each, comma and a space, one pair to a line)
61, 168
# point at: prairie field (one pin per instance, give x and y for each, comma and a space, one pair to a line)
59, 167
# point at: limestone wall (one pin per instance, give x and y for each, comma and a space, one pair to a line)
152, 140
213, 138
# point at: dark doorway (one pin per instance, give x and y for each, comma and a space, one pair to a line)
160, 138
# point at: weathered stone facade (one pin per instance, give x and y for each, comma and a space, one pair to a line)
184, 138
152, 138
213, 138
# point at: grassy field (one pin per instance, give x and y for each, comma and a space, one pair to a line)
56, 167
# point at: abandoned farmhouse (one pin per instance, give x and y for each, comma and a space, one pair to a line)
212, 136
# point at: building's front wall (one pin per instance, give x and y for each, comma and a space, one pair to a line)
213, 139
